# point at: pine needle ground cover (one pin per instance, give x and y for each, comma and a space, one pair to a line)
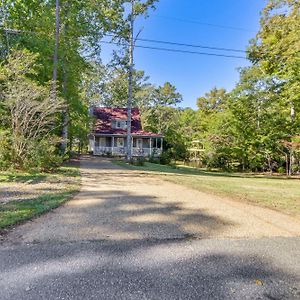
279, 193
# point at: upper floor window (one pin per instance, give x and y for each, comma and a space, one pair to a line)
122, 124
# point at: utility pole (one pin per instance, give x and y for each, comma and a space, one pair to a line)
130, 74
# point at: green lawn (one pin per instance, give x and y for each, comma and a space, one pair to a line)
279, 193
34, 194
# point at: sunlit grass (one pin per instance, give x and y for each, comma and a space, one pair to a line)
279, 193
17, 211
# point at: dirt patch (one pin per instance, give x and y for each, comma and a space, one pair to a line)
22, 187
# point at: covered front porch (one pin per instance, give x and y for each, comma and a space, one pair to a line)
117, 145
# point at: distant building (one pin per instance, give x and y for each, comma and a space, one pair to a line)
109, 135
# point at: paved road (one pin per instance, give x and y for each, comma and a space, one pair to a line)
129, 235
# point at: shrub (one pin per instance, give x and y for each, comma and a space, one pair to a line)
166, 157
281, 170
29, 111
5, 151
138, 161
108, 154
42, 156
154, 160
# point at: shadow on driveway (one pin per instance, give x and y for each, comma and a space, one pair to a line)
157, 269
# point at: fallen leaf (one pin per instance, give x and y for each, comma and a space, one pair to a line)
258, 282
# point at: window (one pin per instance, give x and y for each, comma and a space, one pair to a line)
119, 124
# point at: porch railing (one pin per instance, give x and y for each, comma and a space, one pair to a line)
121, 151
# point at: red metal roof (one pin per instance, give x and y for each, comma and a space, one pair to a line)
105, 116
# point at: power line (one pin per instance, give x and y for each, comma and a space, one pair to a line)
15, 31
203, 23
192, 45
177, 50
186, 45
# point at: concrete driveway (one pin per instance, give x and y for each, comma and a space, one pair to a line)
130, 235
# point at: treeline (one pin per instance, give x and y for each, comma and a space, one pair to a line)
256, 125
253, 127
45, 117
49, 53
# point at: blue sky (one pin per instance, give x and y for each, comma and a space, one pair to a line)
179, 21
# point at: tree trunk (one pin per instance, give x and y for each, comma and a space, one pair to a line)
287, 164
5, 25
55, 56
292, 114
291, 158
270, 165
65, 128
65, 113
129, 103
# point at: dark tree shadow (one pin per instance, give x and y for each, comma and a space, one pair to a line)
157, 269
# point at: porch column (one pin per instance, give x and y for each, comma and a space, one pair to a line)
161, 144
94, 146
112, 145
150, 146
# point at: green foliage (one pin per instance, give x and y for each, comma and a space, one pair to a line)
166, 157
5, 151
18, 211
82, 25
29, 115
42, 156
154, 160
254, 126
214, 100
264, 105
114, 89
31, 31
281, 170
138, 161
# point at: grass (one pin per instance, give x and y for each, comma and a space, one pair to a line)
275, 192
25, 177
16, 211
